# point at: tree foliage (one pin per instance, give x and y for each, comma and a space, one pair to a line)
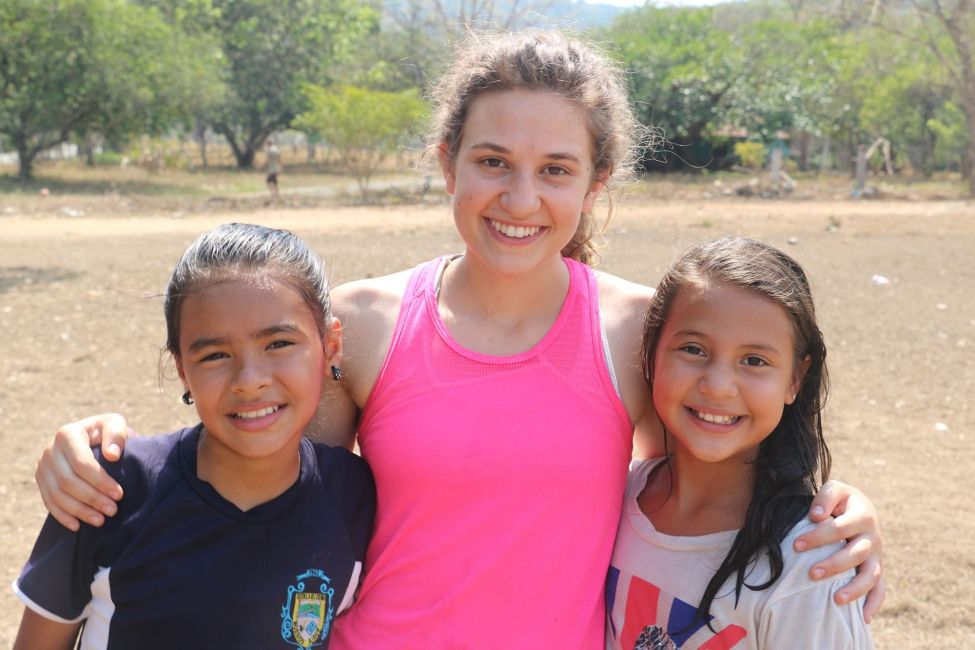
364, 125
272, 50
79, 65
833, 75
946, 29
684, 72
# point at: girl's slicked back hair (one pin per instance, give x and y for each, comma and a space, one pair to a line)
239, 250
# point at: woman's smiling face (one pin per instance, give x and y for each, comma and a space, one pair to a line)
521, 178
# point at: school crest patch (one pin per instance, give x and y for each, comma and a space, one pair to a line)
307, 614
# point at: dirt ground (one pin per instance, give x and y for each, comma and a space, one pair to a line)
81, 327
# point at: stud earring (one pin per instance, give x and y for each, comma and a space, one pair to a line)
187, 398
336, 373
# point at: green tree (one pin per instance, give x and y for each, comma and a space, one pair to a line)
44, 55
904, 104
947, 29
950, 131
685, 70
79, 65
161, 75
272, 49
364, 125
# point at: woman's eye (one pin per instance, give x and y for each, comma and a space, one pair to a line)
555, 170
213, 356
696, 350
277, 345
755, 362
492, 162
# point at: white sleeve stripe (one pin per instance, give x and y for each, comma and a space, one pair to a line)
351, 589
37, 609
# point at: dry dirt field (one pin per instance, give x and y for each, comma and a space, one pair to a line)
81, 329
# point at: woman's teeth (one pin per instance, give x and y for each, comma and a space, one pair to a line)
253, 415
516, 232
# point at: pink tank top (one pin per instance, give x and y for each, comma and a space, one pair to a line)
500, 484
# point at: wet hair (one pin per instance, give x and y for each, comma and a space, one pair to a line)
545, 61
794, 459
239, 250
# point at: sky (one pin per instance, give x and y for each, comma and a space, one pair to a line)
675, 3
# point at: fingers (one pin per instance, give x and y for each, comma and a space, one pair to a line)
867, 578
850, 556
875, 598
111, 431
831, 499
862, 552
58, 485
73, 456
73, 485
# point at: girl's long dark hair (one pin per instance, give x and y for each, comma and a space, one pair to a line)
793, 460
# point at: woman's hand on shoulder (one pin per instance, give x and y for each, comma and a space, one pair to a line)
845, 514
73, 486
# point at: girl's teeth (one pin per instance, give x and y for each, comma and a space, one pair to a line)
716, 419
253, 415
515, 232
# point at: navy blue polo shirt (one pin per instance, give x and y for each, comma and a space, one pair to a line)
179, 566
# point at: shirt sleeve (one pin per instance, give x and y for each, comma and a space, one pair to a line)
809, 619
56, 581
801, 613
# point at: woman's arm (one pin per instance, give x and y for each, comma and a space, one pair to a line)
39, 633
75, 488
845, 514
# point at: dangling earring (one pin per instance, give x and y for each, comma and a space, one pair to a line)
336, 373
187, 398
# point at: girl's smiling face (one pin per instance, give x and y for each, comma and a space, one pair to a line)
725, 369
521, 178
253, 359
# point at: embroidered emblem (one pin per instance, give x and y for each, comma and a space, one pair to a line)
307, 614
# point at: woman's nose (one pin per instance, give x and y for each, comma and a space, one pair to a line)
520, 198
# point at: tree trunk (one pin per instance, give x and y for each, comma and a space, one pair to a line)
968, 164
825, 163
200, 135
26, 160
240, 155
244, 157
805, 145
88, 145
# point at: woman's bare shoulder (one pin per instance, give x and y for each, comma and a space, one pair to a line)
370, 294
621, 297
368, 310
622, 306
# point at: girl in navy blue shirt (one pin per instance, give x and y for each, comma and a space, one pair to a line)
237, 532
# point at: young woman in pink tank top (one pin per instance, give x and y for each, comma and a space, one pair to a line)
497, 395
